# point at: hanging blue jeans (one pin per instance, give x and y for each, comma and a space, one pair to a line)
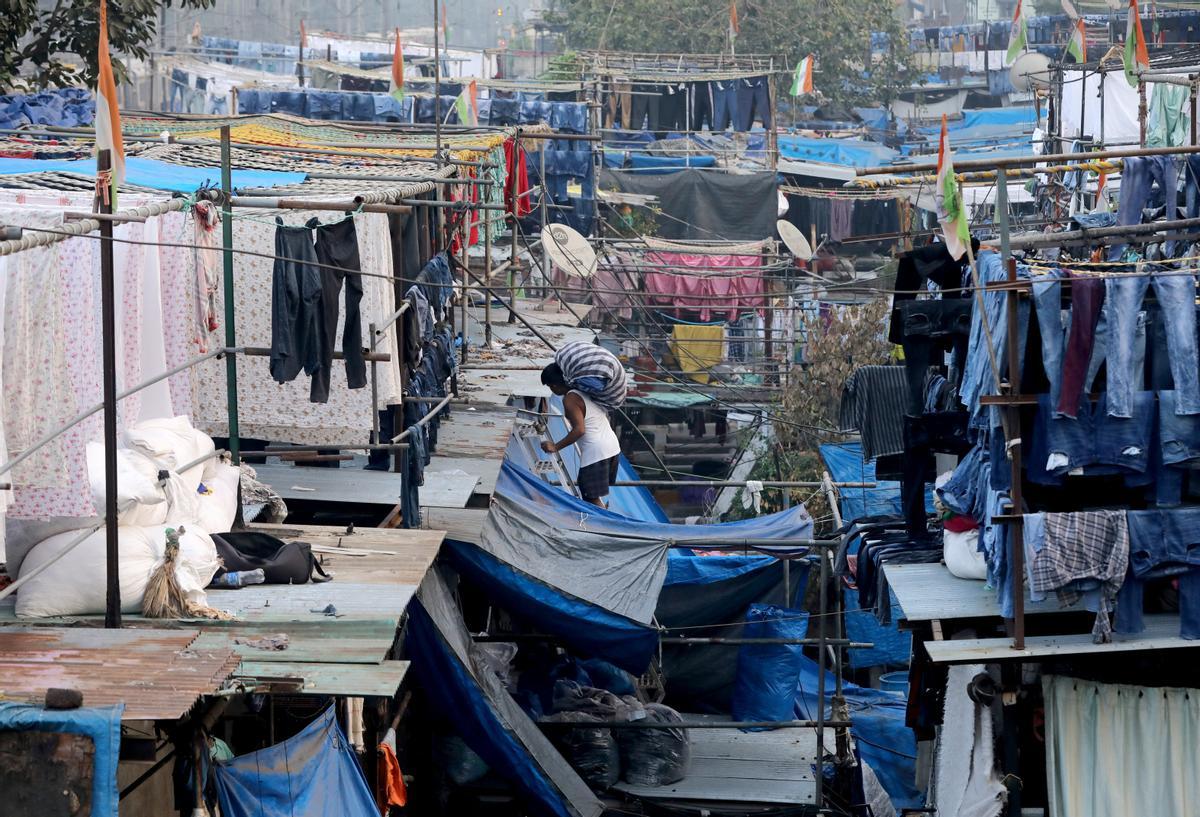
753, 98
725, 104
1162, 544
1177, 296
1139, 176
1047, 301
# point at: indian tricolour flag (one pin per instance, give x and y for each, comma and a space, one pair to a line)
1077, 45
108, 116
1136, 56
950, 212
1018, 37
802, 80
397, 83
467, 105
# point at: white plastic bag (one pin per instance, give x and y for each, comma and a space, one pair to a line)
961, 552
74, 585
138, 492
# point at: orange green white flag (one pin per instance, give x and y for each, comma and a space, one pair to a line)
802, 79
108, 115
950, 211
397, 83
1077, 45
1136, 55
467, 105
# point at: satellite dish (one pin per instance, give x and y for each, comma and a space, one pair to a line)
569, 251
1030, 70
794, 240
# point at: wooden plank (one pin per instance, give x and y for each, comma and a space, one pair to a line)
361, 680
725, 790
1161, 633
729, 765
929, 591
354, 486
412, 552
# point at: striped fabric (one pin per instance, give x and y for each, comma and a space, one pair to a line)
873, 402
595, 371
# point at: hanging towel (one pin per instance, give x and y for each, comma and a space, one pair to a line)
698, 349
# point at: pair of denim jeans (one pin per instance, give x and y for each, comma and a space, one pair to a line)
725, 102
1176, 293
337, 250
753, 98
1093, 441
1139, 178
1162, 544
978, 377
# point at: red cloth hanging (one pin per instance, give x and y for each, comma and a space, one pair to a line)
516, 180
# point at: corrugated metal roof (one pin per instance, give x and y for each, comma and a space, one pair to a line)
157, 674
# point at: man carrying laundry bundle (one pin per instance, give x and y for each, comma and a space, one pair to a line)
591, 381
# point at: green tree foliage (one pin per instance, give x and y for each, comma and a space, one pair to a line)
44, 44
838, 32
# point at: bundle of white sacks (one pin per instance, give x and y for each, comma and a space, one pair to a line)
75, 584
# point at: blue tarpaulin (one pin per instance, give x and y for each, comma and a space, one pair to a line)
563, 564
314, 774
651, 163
877, 721
845, 463
482, 712
155, 174
545, 608
555, 505
102, 724
844, 152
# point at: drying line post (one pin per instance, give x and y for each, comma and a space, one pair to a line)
108, 352
231, 385
487, 276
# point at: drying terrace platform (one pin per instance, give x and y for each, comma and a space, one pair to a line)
736, 768
930, 597
346, 651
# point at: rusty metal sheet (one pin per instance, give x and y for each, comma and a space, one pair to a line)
157, 674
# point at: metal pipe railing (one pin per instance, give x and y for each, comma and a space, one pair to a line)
433, 412
79, 418
1022, 161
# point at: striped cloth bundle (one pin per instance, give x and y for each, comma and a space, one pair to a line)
595, 371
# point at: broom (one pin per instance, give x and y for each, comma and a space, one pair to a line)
164, 597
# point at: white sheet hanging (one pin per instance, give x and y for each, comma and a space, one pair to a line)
1113, 750
1120, 107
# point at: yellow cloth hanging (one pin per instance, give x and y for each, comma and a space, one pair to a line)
698, 349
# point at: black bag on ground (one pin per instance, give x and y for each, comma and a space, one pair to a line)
591, 752
281, 562
655, 757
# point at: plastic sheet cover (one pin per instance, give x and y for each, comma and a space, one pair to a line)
700, 204
571, 544
101, 723
482, 712
878, 726
314, 774
154, 174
